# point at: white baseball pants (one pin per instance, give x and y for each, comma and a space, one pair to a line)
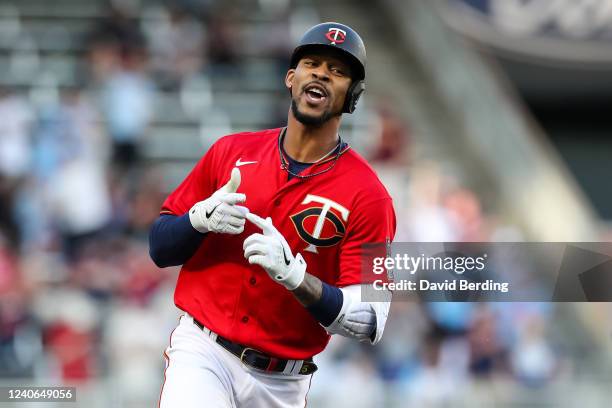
200, 373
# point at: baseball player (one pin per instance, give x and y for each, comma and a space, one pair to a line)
269, 228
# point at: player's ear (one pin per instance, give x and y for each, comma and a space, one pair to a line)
289, 78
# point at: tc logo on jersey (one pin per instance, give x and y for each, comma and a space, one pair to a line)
328, 228
336, 35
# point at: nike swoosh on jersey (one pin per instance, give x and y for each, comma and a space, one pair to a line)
208, 214
242, 163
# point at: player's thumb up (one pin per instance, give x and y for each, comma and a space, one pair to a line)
227, 193
234, 182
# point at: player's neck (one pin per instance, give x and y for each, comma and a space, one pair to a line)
307, 144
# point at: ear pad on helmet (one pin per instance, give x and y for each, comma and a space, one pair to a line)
352, 96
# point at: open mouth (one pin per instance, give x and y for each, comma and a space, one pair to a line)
315, 94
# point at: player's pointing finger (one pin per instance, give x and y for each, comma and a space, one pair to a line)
257, 220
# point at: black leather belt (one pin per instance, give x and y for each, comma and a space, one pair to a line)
257, 359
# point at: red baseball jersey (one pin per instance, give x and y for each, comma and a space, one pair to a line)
326, 218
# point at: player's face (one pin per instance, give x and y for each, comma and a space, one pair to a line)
318, 88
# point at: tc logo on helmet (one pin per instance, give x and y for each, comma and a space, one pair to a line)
336, 35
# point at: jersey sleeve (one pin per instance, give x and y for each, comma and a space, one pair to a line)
199, 184
372, 223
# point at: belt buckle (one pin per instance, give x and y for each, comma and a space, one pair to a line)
243, 353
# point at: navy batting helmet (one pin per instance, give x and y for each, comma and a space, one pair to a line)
347, 43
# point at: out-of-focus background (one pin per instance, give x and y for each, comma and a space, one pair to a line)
488, 120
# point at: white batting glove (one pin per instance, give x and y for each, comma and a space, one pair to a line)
219, 213
271, 251
361, 321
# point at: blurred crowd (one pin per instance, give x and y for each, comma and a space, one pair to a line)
80, 300
434, 354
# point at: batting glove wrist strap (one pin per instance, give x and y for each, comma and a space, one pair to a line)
197, 219
295, 276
